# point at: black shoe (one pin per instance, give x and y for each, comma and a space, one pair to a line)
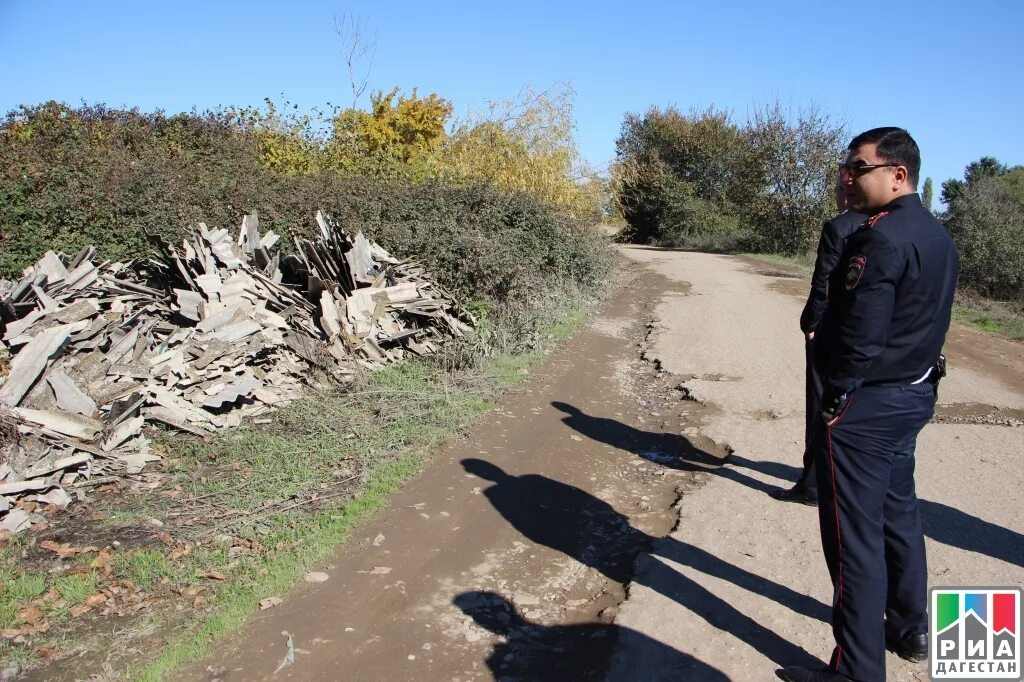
912, 648
795, 674
794, 495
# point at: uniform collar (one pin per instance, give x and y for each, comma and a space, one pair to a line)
906, 201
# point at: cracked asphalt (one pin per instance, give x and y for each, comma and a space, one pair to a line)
751, 595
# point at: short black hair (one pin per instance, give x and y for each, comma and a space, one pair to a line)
894, 145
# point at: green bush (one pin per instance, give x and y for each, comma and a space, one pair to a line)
480, 241
701, 224
987, 224
665, 159
791, 175
765, 185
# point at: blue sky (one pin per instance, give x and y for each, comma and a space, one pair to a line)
947, 71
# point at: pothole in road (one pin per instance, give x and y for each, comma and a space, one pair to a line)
978, 414
716, 377
782, 274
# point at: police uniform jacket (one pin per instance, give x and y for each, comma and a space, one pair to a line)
889, 300
830, 246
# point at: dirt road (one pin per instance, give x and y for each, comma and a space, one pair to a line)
511, 555
753, 595
499, 558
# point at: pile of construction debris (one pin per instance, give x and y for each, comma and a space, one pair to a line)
197, 339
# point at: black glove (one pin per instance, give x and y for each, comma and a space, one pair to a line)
937, 373
832, 405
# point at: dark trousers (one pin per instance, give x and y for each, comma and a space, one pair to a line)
871, 526
808, 482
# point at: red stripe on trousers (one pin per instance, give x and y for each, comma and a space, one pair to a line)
839, 535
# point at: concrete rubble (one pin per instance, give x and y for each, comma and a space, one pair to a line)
198, 337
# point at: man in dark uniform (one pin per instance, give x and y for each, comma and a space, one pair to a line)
878, 351
830, 246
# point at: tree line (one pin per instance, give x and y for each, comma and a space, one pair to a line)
703, 180
985, 214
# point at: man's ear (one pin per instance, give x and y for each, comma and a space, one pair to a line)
900, 177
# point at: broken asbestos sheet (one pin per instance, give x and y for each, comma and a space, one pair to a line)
197, 337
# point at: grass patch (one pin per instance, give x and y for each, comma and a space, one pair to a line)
15, 657
75, 589
143, 567
25, 587
16, 592
798, 264
565, 328
995, 317
323, 441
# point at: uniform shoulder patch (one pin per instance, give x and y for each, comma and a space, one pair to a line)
854, 271
870, 222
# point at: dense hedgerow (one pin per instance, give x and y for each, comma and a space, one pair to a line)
108, 178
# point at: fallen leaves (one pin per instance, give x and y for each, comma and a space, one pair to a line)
31, 614
18, 635
77, 570
46, 654
103, 560
51, 597
96, 600
65, 550
173, 492
180, 552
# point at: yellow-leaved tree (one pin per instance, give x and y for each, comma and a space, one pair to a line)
525, 144
288, 140
398, 128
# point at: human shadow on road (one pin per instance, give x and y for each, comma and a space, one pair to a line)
532, 651
950, 526
941, 523
671, 450
591, 531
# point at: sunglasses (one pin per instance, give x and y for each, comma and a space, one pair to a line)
858, 169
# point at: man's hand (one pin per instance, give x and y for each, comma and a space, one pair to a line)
810, 336
832, 406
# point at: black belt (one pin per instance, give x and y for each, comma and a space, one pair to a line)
933, 375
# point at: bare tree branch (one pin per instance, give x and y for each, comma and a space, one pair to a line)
357, 45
